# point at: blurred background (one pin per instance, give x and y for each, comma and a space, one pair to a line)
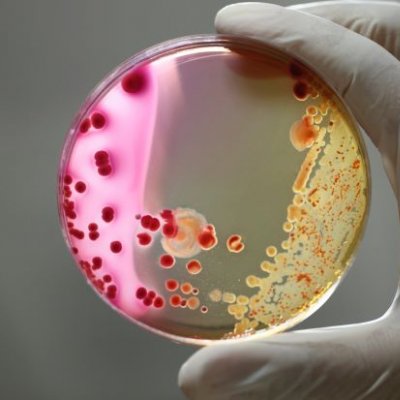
58, 341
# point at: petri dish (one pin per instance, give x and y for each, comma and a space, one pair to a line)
213, 188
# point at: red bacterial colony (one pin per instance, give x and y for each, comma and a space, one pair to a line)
107, 214
171, 285
134, 82
116, 246
154, 224
85, 125
111, 292
148, 301
300, 90
97, 262
167, 261
102, 161
144, 239
235, 244
207, 239
69, 209
194, 267
93, 227
141, 293
158, 302
145, 221
169, 228
167, 214
80, 187
94, 235
98, 120
93, 231
77, 233
175, 300
100, 284
149, 222
149, 298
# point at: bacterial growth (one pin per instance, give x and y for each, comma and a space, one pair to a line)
213, 190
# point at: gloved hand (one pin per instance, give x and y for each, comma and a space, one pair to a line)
359, 361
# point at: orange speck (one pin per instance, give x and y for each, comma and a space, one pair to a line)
356, 164
304, 296
312, 192
305, 277
186, 288
194, 267
193, 303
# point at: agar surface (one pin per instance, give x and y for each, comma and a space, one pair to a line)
155, 264
330, 187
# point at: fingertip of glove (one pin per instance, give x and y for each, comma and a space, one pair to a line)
233, 16
206, 372
185, 380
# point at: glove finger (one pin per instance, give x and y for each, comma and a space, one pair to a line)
377, 20
360, 70
353, 362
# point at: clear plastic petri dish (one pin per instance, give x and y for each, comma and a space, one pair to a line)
213, 188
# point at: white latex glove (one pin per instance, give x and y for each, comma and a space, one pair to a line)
359, 361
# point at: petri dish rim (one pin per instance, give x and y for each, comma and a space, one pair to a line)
191, 42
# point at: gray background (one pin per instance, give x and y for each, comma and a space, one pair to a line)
57, 339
